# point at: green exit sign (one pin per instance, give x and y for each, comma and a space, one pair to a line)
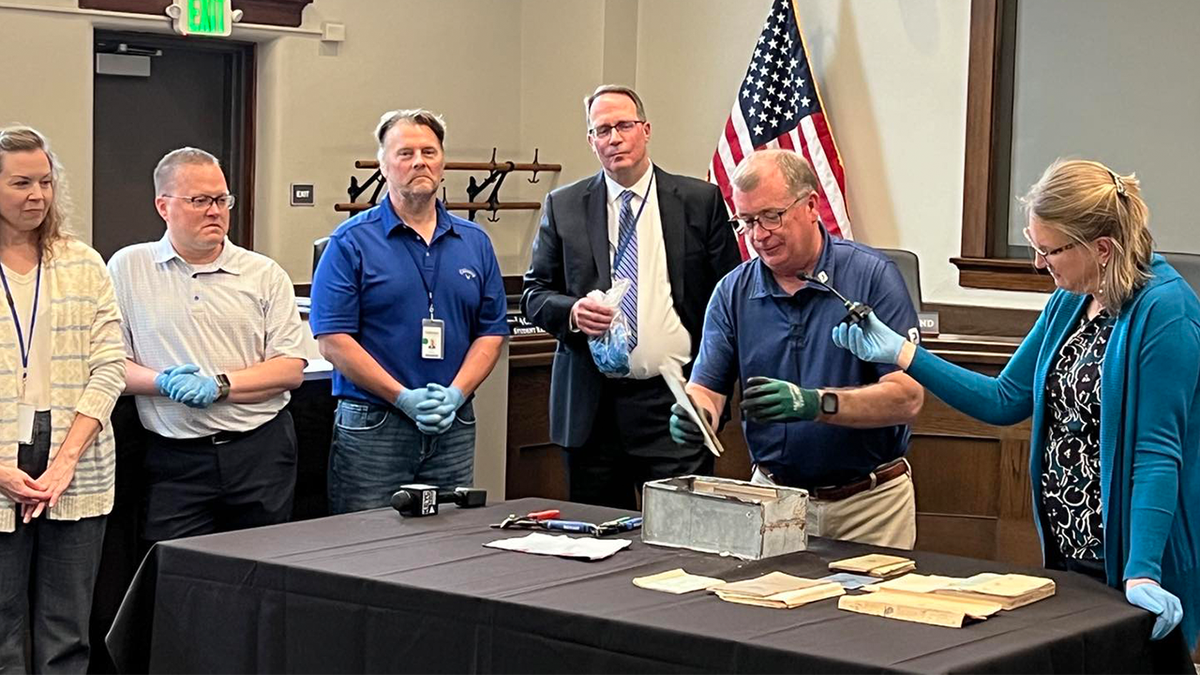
204, 17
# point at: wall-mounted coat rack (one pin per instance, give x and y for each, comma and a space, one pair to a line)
497, 172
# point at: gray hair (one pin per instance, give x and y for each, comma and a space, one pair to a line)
416, 116
164, 173
797, 173
613, 89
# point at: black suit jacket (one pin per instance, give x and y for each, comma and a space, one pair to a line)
571, 258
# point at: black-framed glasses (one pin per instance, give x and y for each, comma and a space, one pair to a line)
769, 220
623, 127
1046, 254
202, 202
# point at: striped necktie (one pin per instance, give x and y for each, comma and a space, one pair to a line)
627, 265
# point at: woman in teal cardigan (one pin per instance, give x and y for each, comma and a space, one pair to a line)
1111, 375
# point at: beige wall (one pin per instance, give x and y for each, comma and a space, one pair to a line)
511, 74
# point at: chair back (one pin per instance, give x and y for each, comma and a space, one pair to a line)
909, 270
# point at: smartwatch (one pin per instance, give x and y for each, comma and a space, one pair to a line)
223, 386
829, 403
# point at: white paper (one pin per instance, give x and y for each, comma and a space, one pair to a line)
673, 374
588, 548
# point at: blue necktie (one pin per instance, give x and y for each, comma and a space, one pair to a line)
627, 265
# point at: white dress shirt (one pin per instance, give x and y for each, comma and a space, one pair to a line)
660, 334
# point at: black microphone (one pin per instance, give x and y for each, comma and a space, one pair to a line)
858, 311
423, 500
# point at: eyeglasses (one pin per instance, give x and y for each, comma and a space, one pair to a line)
605, 130
1045, 254
769, 220
202, 202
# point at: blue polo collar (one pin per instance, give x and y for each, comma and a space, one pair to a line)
764, 282
389, 221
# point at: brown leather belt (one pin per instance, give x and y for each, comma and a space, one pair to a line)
879, 476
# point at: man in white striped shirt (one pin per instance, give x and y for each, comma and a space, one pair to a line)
215, 345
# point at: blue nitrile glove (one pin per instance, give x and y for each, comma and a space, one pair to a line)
1154, 598
161, 380
870, 340
436, 419
192, 389
409, 401
766, 400
683, 430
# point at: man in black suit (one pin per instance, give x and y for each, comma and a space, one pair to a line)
670, 236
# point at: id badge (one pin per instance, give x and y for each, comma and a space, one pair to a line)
433, 333
25, 415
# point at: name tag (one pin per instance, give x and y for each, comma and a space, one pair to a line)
25, 415
433, 333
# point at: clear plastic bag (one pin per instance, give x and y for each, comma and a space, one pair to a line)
610, 351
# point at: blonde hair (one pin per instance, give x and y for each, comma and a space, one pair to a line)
1086, 200
54, 225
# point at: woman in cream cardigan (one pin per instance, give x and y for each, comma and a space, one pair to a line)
62, 367
1111, 375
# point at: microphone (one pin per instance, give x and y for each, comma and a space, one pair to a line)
422, 500
858, 311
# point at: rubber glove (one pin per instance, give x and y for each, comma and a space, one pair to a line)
161, 380
684, 431
870, 340
409, 402
767, 400
192, 389
435, 419
1158, 600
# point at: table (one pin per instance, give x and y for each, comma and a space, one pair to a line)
375, 592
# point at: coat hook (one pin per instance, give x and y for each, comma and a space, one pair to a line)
535, 164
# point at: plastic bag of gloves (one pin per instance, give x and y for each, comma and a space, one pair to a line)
610, 351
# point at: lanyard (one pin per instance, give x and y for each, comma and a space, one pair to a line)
12, 306
626, 237
437, 265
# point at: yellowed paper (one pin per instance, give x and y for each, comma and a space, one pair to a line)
875, 564
676, 581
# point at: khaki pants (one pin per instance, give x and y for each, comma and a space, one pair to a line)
884, 516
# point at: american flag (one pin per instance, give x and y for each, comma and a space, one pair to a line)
778, 106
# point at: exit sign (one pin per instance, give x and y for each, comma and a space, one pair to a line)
204, 17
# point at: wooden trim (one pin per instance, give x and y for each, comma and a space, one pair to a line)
985, 321
981, 86
248, 65
264, 12
1002, 274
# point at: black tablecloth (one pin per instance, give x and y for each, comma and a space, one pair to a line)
374, 592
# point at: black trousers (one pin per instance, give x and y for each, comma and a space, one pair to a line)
195, 488
630, 444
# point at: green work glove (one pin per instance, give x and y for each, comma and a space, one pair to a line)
766, 400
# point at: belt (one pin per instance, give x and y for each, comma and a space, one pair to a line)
219, 438
879, 476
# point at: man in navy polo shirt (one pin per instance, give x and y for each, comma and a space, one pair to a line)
408, 305
813, 418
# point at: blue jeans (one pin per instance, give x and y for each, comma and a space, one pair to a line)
376, 449
47, 575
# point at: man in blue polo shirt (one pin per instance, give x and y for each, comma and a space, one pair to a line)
813, 418
408, 305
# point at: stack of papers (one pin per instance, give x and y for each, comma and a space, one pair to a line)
778, 591
927, 608
875, 564
676, 581
949, 601
587, 548
1009, 590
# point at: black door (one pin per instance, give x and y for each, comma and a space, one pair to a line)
199, 93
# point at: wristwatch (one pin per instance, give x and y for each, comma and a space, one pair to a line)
829, 403
223, 386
